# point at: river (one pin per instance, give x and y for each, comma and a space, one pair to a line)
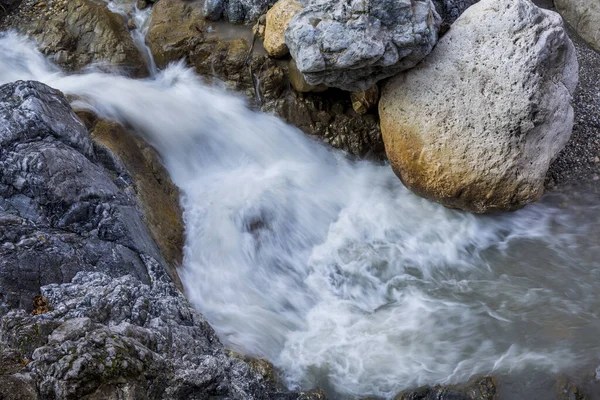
334, 271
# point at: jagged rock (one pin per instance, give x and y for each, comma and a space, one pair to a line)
119, 334
584, 17
278, 18
476, 126
354, 44
177, 31
85, 33
450, 10
363, 102
236, 11
480, 389
65, 204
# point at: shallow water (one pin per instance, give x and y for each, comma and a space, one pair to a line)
334, 271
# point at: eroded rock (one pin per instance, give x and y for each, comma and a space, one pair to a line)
477, 124
352, 45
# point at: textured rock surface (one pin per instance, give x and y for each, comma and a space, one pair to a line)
475, 127
584, 17
450, 10
157, 195
236, 11
278, 18
61, 210
363, 102
78, 33
353, 44
177, 31
111, 337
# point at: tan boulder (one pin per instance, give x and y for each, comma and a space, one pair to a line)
299, 83
278, 18
477, 124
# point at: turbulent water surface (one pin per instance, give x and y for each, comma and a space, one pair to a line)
331, 268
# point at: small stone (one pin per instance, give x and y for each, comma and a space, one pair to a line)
597, 160
363, 102
41, 4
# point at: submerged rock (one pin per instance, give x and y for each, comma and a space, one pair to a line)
83, 32
236, 11
477, 124
351, 45
584, 17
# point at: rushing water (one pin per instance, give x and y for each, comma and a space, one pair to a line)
331, 268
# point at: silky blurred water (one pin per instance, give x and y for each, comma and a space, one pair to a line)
334, 271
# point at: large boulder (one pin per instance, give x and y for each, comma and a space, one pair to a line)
477, 124
584, 17
79, 33
277, 21
236, 11
353, 44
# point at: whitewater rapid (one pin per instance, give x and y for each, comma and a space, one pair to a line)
330, 268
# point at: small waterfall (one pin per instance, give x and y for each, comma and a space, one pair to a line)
331, 268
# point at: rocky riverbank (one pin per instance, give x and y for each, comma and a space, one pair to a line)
91, 222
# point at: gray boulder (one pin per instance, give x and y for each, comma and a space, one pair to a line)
236, 11
353, 44
65, 205
584, 17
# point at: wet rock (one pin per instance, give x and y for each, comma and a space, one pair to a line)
480, 389
352, 45
62, 209
476, 127
236, 11
158, 196
363, 102
177, 31
584, 17
86, 33
278, 18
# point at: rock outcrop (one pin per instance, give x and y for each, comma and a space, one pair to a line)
351, 45
177, 30
108, 322
79, 33
477, 124
236, 11
584, 17
277, 21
